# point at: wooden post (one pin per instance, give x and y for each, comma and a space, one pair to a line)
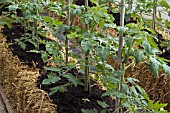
122, 16
154, 14
68, 23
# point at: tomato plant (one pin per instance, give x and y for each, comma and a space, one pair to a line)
133, 45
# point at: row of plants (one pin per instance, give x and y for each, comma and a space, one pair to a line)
136, 43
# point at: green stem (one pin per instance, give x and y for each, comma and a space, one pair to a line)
35, 26
127, 54
68, 23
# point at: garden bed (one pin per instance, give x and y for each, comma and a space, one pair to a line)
24, 71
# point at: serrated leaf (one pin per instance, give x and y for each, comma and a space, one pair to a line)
22, 45
133, 90
44, 57
73, 79
89, 111
102, 104
166, 68
146, 46
153, 66
139, 55
114, 93
157, 106
52, 78
57, 88
111, 79
132, 80
122, 29
128, 41
53, 90
86, 46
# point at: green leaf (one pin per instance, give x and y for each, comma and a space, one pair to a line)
44, 57
72, 35
152, 42
86, 46
2, 23
106, 25
114, 93
52, 78
147, 47
164, 3
122, 29
103, 111
167, 24
13, 7
111, 79
102, 104
139, 55
128, 41
46, 81
57, 88
133, 90
132, 80
151, 30
54, 69
47, 19
103, 52
153, 66
22, 45
166, 68
73, 79
89, 111
34, 51
157, 106
95, 2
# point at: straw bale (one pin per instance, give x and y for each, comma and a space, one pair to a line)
19, 84
157, 88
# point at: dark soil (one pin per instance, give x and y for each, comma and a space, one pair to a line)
71, 101
82, 2
28, 57
117, 19
75, 98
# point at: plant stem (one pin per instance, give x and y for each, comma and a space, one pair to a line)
87, 79
68, 23
35, 26
110, 6
122, 16
154, 14
130, 4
